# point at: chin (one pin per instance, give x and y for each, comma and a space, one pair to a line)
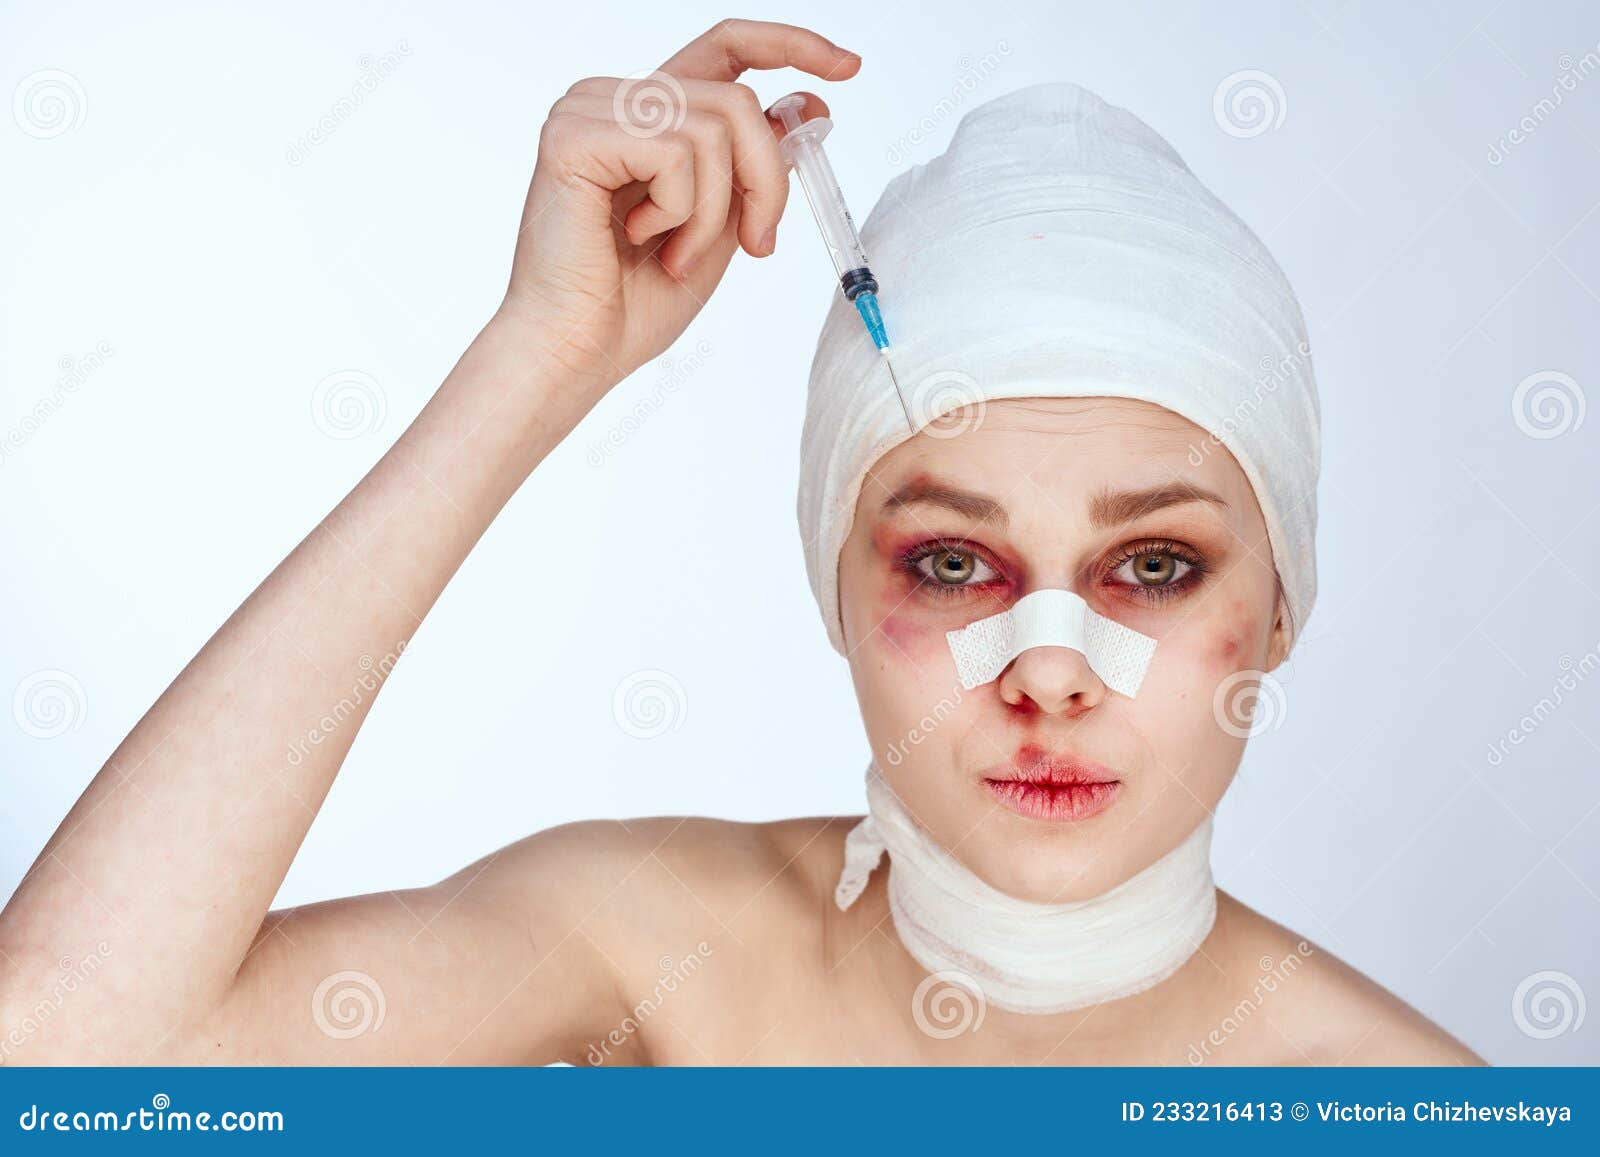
1045, 870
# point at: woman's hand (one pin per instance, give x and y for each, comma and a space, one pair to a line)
643, 189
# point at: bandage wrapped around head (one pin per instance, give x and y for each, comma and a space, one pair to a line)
1061, 248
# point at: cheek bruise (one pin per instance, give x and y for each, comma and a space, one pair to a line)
1230, 646
1226, 652
890, 588
904, 637
906, 634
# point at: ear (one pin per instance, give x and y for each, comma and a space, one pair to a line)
1281, 639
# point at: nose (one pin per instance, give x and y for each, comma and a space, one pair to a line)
1056, 680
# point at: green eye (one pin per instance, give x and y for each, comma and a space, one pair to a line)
953, 566
949, 570
1155, 570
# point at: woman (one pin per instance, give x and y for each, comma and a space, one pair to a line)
1048, 898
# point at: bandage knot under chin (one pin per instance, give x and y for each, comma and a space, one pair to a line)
1119, 655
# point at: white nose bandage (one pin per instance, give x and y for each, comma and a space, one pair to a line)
1052, 618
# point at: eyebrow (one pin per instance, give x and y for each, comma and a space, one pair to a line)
1107, 508
967, 503
1113, 508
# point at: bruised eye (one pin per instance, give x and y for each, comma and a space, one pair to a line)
955, 567
949, 570
1156, 571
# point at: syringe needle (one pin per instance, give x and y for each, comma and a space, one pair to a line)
898, 392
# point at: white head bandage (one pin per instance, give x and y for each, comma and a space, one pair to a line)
1052, 618
1060, 248
1028, 957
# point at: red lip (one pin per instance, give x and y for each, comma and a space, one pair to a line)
1058, 786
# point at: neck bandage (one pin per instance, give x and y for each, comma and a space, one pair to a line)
1028, 957
1052, 618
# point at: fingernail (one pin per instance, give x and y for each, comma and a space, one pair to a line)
769, 240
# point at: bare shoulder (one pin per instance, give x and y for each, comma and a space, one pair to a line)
696, 929
648, 887
1337, 1015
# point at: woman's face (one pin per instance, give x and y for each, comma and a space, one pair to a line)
1099, 496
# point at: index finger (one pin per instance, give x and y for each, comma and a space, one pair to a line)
731, 46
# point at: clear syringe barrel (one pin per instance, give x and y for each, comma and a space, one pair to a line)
802, 147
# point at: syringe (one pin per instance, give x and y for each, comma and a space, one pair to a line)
802, 147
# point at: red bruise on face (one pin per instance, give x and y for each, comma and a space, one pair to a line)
906, 637
1234, 640
899, 629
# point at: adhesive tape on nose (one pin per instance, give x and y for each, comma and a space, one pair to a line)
1052, 618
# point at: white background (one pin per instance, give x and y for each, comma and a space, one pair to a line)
1458, 552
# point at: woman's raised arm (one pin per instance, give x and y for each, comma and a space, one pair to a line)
172, 855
